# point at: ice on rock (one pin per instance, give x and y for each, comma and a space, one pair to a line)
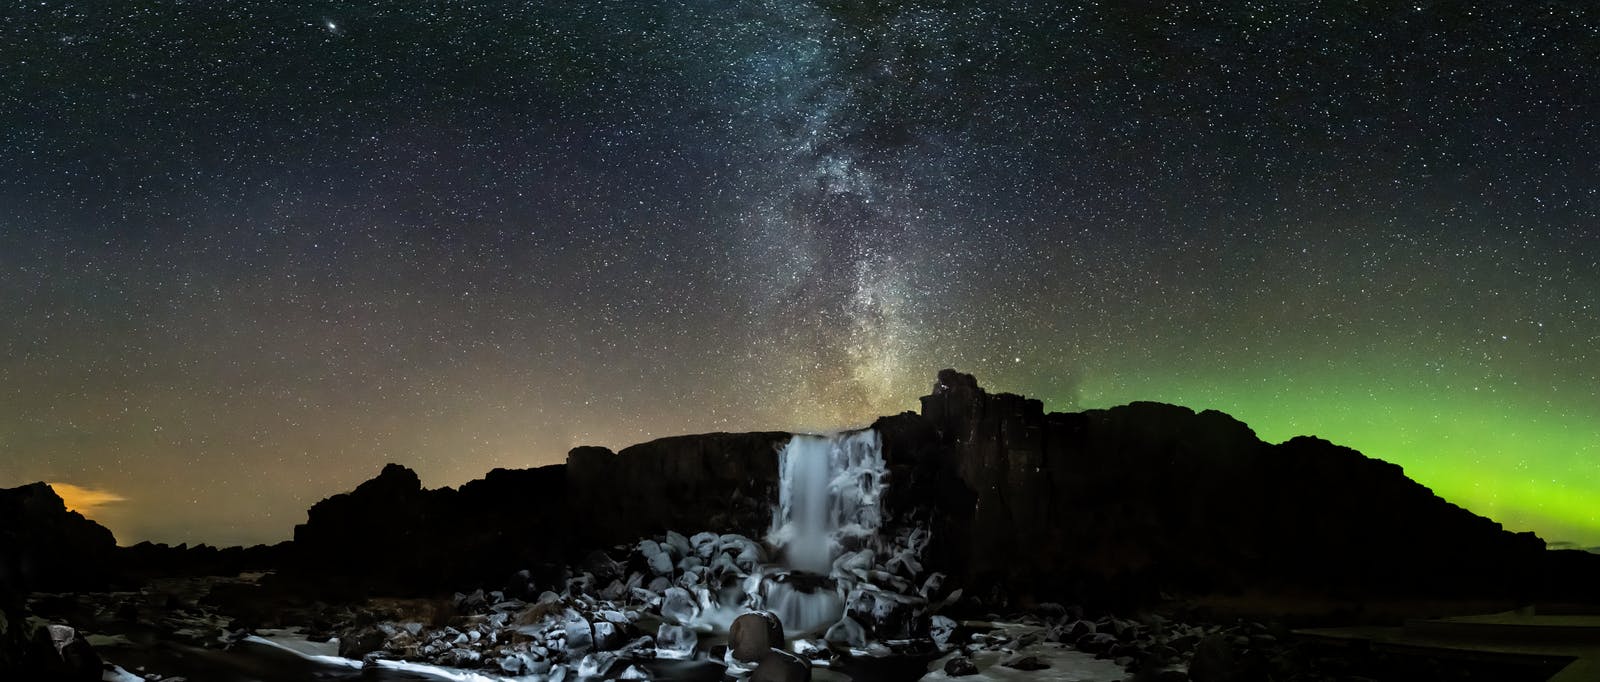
848, 632
828, 493
605, 634
656, 557
649, 547
907, 559
676, 641
705, 545
595, 665
661, 564
691, 578
941, 628
634, 673
678, 544
646, 597
516, 663
723, 564
853, 565
678, 606
579, 632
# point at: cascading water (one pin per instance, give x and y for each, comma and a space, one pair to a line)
828, 501
828, 494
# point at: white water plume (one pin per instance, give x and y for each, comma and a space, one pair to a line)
828, 496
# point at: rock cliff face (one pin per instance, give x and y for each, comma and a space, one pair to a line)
1118, 504
390, 535
45, 548
1153, 496
720, 481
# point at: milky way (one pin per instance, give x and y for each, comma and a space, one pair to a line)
250, 252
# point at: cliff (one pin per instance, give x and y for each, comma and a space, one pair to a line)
1120, 505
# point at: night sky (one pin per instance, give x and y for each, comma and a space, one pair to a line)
249, 252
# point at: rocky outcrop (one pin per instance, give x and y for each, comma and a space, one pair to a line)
390, 535
722, 482
147, 560
1112, 505
45, 548
1149, 496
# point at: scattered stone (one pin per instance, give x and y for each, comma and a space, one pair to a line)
1096, 643
676, 641
848, 632
359, 642
595, 665
960, 666
1215, 660
1026, 663
941, 629
678, 606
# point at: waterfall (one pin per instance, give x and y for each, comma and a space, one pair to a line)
828, 497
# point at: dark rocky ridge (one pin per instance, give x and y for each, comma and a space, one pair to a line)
44, 547
1106, 508
1118, 505
390, 535
1152, 496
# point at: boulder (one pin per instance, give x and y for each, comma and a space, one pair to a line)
753, 634
360, 641
676, 641
679, 606
960, 666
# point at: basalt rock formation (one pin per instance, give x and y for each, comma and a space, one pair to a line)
391, 535
1119, 504
45, 548
1149, 496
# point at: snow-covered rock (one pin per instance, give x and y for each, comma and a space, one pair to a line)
676, 641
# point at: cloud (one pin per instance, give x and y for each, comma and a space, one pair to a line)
83, 500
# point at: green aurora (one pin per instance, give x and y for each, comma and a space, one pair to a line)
1530, 468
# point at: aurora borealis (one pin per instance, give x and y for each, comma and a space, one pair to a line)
251, 251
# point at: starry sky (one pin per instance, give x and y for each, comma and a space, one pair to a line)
251, 251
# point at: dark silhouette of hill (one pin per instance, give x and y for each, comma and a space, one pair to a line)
1118, 505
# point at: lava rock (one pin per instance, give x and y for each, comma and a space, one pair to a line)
358, 642
753, 634
960, 666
